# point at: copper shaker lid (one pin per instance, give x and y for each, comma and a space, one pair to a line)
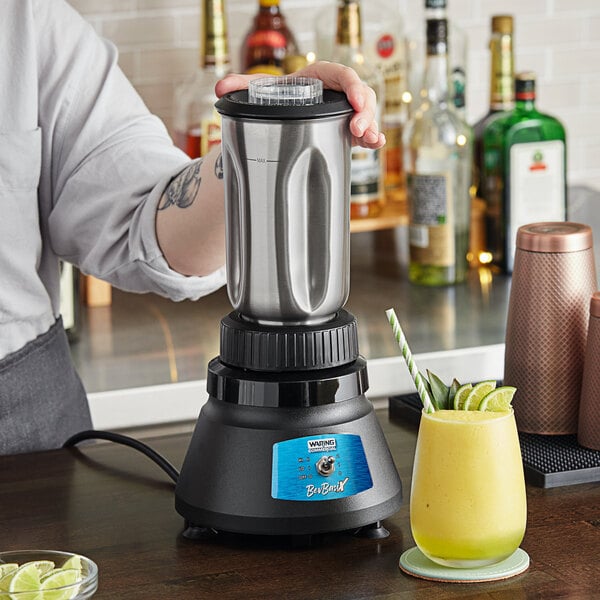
554, 236
595, 305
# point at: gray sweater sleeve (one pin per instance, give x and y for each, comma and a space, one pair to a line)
105, 161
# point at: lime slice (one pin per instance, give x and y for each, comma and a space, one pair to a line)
60, 578
26, 579
476, 395
6, 568
461, 395
498, 400
73, 563
5, 581
43, 566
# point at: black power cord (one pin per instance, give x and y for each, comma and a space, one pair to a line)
125, 440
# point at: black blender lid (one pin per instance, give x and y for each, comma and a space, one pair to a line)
326, 103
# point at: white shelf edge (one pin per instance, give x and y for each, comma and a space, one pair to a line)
178, 402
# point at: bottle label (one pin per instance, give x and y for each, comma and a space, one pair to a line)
202, 137
267, 38
431, 222
537, 187
365, 175
210, 132
502, 79
319, 467
388, 55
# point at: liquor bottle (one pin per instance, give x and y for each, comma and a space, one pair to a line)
438, 162
383, 46
502, 99
197, 124
457, 58
524, 177
70, 300
502, 84
367, 194
268, 41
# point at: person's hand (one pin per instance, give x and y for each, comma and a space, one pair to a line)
363, 125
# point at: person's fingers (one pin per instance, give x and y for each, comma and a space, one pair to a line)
362, 98
339, 78
233, 82
371, 140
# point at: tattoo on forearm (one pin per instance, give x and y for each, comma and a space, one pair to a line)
219, 167
183, 189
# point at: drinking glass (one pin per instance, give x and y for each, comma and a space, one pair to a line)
468, 506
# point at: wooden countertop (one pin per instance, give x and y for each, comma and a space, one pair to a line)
114, 505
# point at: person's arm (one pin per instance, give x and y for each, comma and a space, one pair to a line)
106, 162
190, 223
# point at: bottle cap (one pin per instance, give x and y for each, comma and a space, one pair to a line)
525, 85
554, 236
502, 24
285, 91
435, 3
595, 305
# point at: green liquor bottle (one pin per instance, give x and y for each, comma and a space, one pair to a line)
438, 160
524, 172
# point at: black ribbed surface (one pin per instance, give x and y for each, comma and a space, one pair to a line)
260, 348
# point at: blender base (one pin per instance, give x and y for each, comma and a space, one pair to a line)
290, 452
242, 462
359, 523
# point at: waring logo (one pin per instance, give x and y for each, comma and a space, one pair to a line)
322, 445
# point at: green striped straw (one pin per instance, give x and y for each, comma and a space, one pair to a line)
410, 362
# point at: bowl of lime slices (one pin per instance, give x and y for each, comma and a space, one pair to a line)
46, 575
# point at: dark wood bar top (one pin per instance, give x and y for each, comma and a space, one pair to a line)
115, 506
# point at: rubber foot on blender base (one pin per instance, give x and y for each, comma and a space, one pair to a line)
197, 532
374, 531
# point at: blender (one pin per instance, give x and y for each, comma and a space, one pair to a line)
287, 442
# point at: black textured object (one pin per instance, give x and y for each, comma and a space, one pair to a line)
236, 104
248, 345
290, 389
548, 460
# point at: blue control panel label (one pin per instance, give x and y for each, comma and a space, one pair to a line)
320, 467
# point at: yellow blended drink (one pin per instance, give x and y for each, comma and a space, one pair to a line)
468, 506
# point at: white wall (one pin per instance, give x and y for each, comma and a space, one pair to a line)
558, 39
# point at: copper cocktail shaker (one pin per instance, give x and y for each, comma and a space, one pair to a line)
553, 278
588, 433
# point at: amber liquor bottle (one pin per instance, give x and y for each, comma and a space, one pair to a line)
268, 41
197, 124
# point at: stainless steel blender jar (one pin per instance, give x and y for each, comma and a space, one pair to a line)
287, 443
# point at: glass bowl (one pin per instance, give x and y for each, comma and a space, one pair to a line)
85, 588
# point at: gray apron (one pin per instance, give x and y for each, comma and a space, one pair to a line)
42, 399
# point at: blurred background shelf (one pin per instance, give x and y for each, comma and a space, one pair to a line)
392, 215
